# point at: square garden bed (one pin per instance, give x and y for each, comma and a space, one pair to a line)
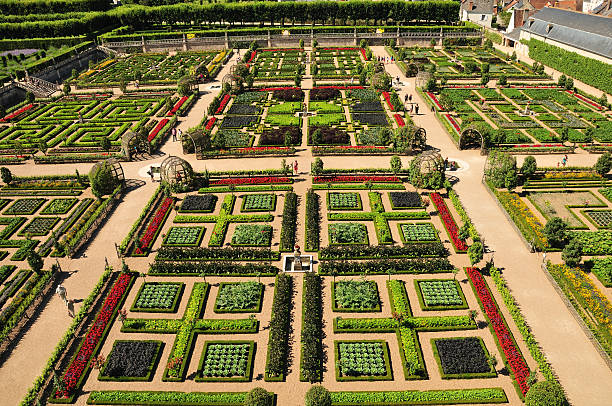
39, 226
344, 201
226, 361
132, 361
355, 296
259, 202
440, 294
252, 235
158, 297
417, 232
198, 204
239, 297
25, 206
366, 360
600, 218
59, 206
348, 233
184, 236
405, 200
462, 358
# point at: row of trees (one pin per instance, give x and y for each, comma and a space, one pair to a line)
396, 11
20, 7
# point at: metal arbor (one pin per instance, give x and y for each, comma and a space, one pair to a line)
471, 138
176, 171
115, 168
422, 78
132, 142
429, 162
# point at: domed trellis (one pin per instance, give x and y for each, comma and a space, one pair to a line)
132, 142
471, 138
176, 171
113, 164
422, 78
189, 81
429, 162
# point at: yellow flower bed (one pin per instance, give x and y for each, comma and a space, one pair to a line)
571, 175
523, 217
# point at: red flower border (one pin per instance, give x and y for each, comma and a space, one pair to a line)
449, 222
177, 106
210, 123
399, 119
157, 129
453, 123
513, 355
250, 181
224, 102
352, 178
154, 226
17, 113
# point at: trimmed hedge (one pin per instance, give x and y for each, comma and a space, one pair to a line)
311, 360
414, 397
280, 324
417, 250
405, 266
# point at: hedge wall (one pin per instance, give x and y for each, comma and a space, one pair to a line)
587, 70
22, 7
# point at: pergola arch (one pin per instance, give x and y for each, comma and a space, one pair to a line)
471, 138
176, 171
422, 78
429, 162
134, 141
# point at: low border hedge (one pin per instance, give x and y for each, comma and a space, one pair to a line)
151, 370
249, 368
387, 377
255, 309
171, 309
424, 306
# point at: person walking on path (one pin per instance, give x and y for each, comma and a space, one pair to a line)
173, 133
416, 109
61, 292
179, 134
295, 167
405, 97
150, 172
70, 305
410, 97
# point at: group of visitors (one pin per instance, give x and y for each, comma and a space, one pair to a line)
61, 292
385, 59
177, 134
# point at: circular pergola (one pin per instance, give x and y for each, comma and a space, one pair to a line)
189, 81
471, 138
429, 162
133, 142
113, 164
422, 78
176, 171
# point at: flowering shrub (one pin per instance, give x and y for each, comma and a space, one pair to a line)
261, 180
523, 217
178, 105
448, 221
153, 228
350, 179
17, 113
514, 357
79, 364
224, 102
400, 120
157, 129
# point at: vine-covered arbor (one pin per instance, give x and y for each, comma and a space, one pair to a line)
427, 170
176, 171
134, 142
112, 165
105, 177
471, 138
422, 78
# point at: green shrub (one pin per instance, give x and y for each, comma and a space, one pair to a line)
258, 397
546, 393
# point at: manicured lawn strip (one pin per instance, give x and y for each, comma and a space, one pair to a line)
409, 250
79, 367
412, 397
426, 307
171, 308
120, 359
216, 254
158, 398
348, 186
340, 377
248, 369
363, 293
312, 221
247, 291
311, 353
511, 353
262, 188
521, 324
401, 266
280, 325
210, 268
289, 223
467, 358
590, 303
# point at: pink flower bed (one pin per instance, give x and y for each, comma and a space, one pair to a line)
350, 179
210, 123
453, 123
177, 106
341, 49
338, 87
449, 221
153, 228
271, 89
435, 100
535, 87
280, 49
253, 55
261, 180
224, 102
399, 120
539, 145
17, 113
157, 129
504, 336
363, 53
80, 362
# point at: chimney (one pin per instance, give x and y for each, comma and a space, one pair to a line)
471, 5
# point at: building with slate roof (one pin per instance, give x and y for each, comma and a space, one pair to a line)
478, 11
585, 34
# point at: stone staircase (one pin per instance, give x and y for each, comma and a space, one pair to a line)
40, 87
